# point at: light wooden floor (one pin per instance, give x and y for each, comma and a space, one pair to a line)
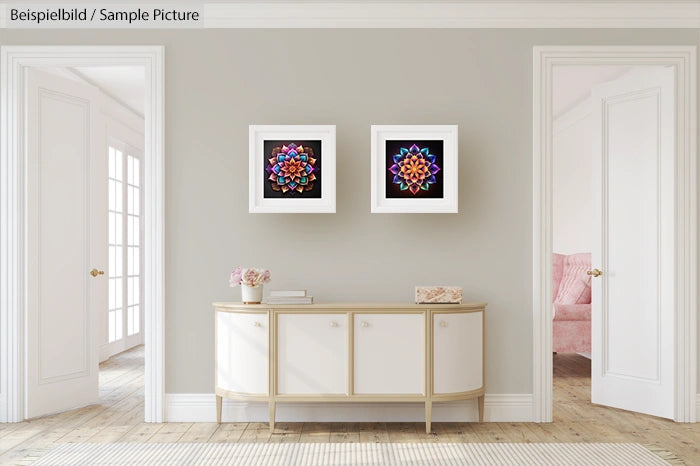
119, 418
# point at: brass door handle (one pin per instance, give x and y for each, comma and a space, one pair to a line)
95, 272
595, 273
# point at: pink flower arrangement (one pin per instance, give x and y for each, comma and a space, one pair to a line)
249, 277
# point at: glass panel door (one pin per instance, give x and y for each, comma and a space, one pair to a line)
116, 245
125, 278
133, 258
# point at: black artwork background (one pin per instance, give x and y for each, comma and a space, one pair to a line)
393, 191
270, 193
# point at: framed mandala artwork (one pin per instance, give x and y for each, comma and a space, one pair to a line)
414, 169
292, 169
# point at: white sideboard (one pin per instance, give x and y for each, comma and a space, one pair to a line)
349, 352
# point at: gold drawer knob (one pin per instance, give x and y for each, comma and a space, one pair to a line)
365, 324
334, 324
95, 272
595, 273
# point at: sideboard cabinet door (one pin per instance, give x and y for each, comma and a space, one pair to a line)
457, 352
389, 352
242, 352
311, 354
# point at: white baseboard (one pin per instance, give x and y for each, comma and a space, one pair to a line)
201, 407
697, 407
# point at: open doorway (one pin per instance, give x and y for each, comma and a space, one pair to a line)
613, 235
92, 203
642, 229
85, 143
572, 228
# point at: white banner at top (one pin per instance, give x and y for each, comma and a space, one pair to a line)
305, 14
101, 16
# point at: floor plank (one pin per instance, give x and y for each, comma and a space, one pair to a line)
140, 433
403, 432
286, 432
229, 432
315, 432
345, 432
170, 432
199, 432
256, 432
374, 432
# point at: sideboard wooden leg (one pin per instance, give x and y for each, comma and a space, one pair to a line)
481, 408
428, 415
218, 409
272, 415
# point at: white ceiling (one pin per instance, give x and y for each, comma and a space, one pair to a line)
572, 84
124, 83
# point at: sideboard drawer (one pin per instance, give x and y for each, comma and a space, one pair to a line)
312, 354
242, 343
458, 347
389, 353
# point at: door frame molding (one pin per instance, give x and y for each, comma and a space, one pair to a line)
14, 61
683, 58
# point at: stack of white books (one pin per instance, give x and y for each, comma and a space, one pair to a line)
289, 297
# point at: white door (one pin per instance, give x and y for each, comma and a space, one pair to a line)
312, 354
633, 242
67, 225
389, 353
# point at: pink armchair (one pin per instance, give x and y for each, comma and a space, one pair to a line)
571, 295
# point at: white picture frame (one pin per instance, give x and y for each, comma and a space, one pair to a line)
262, 199
447, 202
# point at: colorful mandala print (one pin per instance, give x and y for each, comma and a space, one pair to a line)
414, 169
291, 169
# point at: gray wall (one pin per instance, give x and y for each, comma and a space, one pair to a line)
220, 81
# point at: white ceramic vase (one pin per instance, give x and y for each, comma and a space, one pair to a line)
251, 294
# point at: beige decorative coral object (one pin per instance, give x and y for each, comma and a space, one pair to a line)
439, 294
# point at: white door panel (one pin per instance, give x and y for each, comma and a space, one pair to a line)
311, 353
389, 353
633, 193
64, 218
242, 352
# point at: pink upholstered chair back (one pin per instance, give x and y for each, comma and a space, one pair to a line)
557, 272
574, 286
